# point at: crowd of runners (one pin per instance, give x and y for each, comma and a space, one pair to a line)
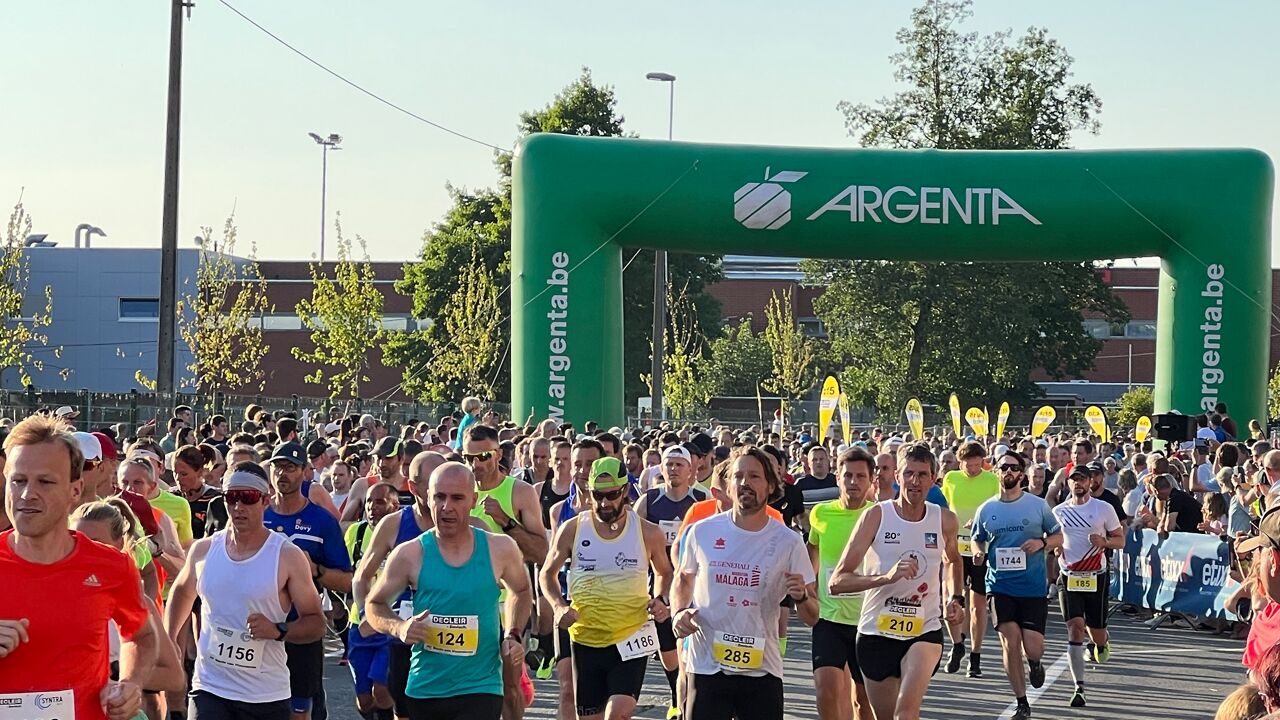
210, 572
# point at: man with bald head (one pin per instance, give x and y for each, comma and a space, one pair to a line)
398, 529
886, 471
453, 573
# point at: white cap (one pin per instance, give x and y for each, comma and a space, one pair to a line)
1042, 443
677, 451
89, 446
332, 428
841, 448
894, 441
66, 411
1000, 451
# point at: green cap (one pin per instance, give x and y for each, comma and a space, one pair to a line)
607, 474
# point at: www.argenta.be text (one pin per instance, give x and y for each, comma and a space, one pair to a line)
1211, 376
558, 344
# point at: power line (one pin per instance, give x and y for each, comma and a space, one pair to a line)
357, 86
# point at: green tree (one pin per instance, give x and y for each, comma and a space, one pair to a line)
220, 318
464, 356
792, 350
481, 219
1273, 396
682, 359
25, 320
344, 316
926, 329
736, 362
1130, 406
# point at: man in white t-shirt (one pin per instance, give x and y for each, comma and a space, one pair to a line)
734, 569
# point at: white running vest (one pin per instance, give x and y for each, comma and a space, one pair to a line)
909, 607
230, 664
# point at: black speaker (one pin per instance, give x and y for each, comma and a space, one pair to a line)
1174, 428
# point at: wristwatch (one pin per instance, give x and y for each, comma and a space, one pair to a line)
511, 525
284, 630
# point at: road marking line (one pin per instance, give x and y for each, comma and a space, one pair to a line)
1050, 676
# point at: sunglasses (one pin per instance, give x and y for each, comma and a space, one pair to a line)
243, 496
89, 465
480, 456
1010, 468
607, 495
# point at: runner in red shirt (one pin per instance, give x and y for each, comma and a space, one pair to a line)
53, 663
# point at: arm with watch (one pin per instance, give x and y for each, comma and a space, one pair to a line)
953, 575
302, 595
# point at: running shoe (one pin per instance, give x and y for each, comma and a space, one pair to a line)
1077, 699
1022, 712
546, 668
526, 686
673, 713
957, 656
1036, 675
1102, 653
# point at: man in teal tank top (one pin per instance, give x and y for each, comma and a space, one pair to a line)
455, 572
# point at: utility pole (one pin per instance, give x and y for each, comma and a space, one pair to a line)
658, 409
169, 224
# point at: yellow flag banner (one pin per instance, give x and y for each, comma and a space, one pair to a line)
977, 420
827, 406
915, 418
1097, 422
844, 419
1143, 429
1043, 419
955, 414
1001, 419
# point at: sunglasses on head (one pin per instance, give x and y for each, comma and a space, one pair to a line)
243, 496
481, 456
607, 495
1010, 468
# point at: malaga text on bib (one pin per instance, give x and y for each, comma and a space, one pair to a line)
453, 634
1010, 559
38, 706
641, 643
234, 649
738, 652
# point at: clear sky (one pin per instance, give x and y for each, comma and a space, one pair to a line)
84, 88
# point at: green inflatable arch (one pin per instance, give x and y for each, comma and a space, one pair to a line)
577, 201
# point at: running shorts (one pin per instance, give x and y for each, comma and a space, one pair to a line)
1030, 613
601, 673
473, 706
880, 658
1092, 605
306, 673
975, 576
724, 696
835, 645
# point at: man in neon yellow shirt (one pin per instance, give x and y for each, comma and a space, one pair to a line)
965, 490
837, 676
368, 651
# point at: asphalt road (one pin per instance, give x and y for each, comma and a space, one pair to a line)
1167, 673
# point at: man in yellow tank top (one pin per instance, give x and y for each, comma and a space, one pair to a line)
611, 617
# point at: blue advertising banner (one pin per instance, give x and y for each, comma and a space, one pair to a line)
1183, 573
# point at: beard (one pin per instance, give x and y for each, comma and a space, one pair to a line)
748, 501
1009, 483
607, 514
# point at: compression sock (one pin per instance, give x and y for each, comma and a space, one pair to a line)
1022, 700
1075, 651
671, 681
546, 645
1033, 664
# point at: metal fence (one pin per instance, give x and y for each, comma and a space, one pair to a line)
134, 409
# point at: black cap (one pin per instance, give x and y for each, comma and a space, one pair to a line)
1079, 470
722, 452
701, 444
412, 448
290, 451
316, 448
388, 447
1096, 467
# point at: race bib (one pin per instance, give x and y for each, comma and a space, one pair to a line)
1083, 582
453, 634
404, 609
59, 705
899, 626
641, 643
1010, 560
965, 542
234, 649
826, 583
670, 528
738, 652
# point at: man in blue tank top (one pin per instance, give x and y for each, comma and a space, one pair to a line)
455, 572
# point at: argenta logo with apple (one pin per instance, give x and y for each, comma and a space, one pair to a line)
765, 205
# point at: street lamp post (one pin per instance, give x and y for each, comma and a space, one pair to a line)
326, 144
658, 411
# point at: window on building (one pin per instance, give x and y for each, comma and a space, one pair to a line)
812, 327
1140, 329
139, 310
1135, 329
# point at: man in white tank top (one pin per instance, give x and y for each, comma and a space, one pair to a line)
247, 579
903, 555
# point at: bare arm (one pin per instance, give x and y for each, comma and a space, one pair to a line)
318, 495
655, 542
509, 562
355, 501
336, 580
951, 553
845, 578
528, 533
167, 675
380, 545
398, 574
310, 624
557, 556
150, 580
182, 597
